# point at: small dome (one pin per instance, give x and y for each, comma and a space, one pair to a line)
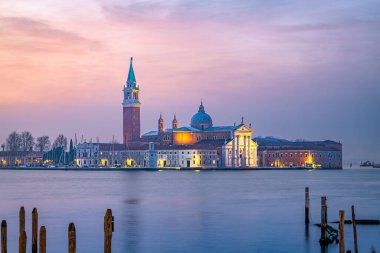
201, 120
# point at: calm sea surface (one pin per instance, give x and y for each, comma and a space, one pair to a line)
186, 211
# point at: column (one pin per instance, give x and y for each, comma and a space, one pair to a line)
246, 143
249, 151
238, 161
233, 151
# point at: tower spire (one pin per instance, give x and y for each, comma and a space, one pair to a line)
160, 124
174, 122
131, 75
201, 107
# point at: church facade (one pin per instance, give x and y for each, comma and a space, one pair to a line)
201, 144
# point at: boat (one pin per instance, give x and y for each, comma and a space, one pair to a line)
376, 165
366, 164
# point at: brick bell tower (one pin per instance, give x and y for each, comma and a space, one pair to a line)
131, 109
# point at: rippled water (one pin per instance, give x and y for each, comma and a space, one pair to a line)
186, 211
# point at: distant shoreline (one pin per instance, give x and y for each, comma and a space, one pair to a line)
160, 169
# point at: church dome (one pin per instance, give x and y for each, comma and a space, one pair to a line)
201, 120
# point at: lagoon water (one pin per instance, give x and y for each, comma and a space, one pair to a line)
186, 211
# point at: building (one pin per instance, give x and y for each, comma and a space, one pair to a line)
91, 154
12, 158
275, 152
201, 144
131, 109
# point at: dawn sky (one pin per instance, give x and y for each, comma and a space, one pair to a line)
294, 69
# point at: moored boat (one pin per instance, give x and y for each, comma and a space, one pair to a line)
366, 164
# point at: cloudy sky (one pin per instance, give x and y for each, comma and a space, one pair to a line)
294, 69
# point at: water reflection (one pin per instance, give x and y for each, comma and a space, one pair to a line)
257, 211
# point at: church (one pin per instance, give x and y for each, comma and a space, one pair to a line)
199, 145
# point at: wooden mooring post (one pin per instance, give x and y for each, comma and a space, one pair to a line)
21, 220
34, 230
307, 206
42, 239
4, 236
72, 238
323, 240
341, 232
356, 250
22, 242
108, 229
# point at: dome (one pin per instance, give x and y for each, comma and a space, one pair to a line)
201, 120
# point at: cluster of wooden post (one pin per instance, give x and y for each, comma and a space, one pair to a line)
108, 230
323, 240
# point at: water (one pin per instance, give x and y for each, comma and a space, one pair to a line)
186, 211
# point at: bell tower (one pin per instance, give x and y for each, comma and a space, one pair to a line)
131, 108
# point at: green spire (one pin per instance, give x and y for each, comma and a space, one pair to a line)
131, 74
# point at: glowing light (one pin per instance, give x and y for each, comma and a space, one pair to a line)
104, 162
183, 138
197, 171
129, 162
47, 162
309, 159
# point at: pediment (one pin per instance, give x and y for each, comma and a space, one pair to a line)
244, 128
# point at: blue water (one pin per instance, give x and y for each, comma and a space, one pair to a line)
186, 211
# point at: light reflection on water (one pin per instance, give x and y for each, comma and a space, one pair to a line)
185, 211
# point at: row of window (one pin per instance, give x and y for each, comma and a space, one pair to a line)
314, 155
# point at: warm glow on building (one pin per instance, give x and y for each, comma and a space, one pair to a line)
129, 162
161, 162
104, 162
183, 138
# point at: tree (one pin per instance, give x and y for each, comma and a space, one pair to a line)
43, 143
60, 142
14, 141
27, 141
71, 152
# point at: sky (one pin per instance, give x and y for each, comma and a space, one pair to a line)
294, 69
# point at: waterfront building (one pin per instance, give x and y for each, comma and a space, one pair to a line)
201, 144
90, 154
12, 158
280, 153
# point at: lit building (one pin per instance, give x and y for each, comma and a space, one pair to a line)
199, 145
274, 152
91, 154
12, 158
